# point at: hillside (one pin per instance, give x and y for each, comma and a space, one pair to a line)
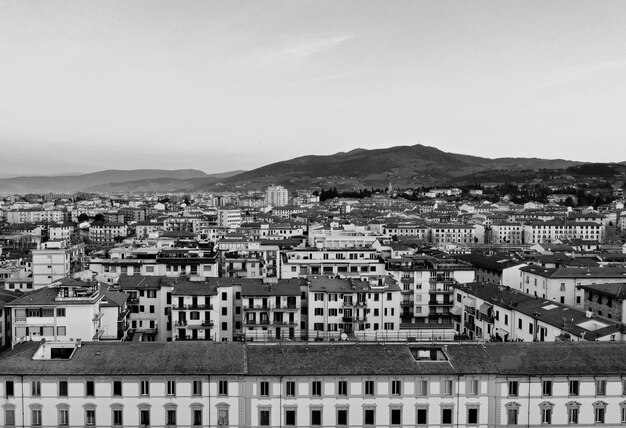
73, 183
402, 165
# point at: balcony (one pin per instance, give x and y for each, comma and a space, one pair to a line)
406, 291
405, 280
441, 290
354, 319
97, 316
208, 323
469, 325
406, 315
256, 307
407, 303
255, 322
283, 322
180, 324
98, 334
133, 300
153, 330
192, 306
438, 303
289, 307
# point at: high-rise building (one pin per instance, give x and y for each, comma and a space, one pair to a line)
276, 196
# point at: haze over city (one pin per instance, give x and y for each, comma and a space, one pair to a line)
222, 85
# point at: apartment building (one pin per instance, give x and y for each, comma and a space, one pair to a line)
606, 300
421, 232
339, 237
537, 232
257, 385
506, 233
453, 234
6, 333
67, 309
271, 310
427, 283
229, 218
194, 316
563, 284
61, 232
35, 216
276, 196
107, 233
301, 262
493, 312
54, 261
361, 308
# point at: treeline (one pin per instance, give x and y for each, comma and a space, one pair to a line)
332, 193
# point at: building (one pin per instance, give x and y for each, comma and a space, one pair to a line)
303, 385
107, 233
492, 312
366, 308
230, 218
276, 196
54, 261
302, 262
67, 309
427, 291
271, 310
194, 316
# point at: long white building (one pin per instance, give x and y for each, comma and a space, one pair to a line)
201, 384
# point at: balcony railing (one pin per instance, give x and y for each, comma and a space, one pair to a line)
407, 303
180, 323
443, 303
192, 306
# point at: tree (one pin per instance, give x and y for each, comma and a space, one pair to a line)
99, 218
83, 218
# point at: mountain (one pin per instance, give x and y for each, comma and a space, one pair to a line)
74, 183
402, 165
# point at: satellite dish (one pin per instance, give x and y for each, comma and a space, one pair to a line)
344, 336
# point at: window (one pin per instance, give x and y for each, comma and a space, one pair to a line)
264, 418
573, 387
623, 411
9, 417
546, 415
472, 415
396, 387
446, 415
35, 417
446, 387
422, 388
546, 388
369, 387
35, 388
573, 410
422, 415
472, 387
144, 417
64, 417
171, 387
512, 410
223, 387
290, 388
197, 388
90, 388
117, 388
316, 388
264, 388
600, 387
369, 416
90, 417
61, 331
342, 417
60, 312
396, 417
513, 386
63, 388
145, 387
342, 387
196, 416
222, 416
118, 417
290, 417
170, 417
316, 417
599, 412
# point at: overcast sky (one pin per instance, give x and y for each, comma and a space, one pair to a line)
223, 85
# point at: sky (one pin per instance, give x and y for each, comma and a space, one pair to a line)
237, 84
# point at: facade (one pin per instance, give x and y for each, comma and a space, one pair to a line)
537, 232
302, 262
56, 260
254, 385
271, 310
491, 312
107, 233
366, 308
427, 287
276, 196
229, 218
68, 309
506, 233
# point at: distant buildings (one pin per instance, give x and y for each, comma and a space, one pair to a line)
276, 196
